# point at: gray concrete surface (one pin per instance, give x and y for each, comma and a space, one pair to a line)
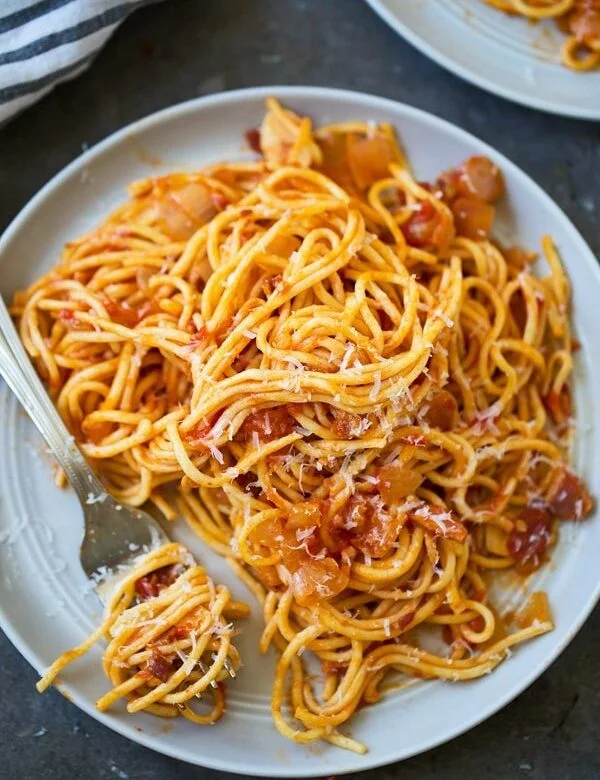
179, 49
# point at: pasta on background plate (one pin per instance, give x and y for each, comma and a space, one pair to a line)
578, 19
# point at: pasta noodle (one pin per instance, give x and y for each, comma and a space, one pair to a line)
579, 19
169, 639
341, 383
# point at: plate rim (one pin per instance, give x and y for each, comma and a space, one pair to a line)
380, 7
342, 764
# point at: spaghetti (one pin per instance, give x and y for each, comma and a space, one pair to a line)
341, 383
578, 19
169, 639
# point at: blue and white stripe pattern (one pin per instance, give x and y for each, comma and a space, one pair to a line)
43, 42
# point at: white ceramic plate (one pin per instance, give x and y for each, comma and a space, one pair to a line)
44, 606
503, 54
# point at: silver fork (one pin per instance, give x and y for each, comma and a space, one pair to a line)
115, 535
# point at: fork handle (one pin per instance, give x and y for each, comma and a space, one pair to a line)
29, 390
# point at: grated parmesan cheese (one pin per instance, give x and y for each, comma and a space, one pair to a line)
220, 629
92, 499
485, 420
441, 518
376, 387
215, 453
268, 428
304, 533
347, 355
294, 362
441, 315
369, 478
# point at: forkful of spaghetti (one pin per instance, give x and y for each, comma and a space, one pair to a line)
170, 633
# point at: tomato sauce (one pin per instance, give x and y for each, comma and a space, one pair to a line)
268, 424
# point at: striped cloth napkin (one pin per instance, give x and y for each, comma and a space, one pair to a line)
44, 42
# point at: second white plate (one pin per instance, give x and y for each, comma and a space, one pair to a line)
502, 54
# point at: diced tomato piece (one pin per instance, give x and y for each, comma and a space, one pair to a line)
381, 532
473, 218
268, 424
121, 313
528, 547
317, 580
397, 482
356, 513
305, 514
335, 160
180, 631
269, 533
269, 577
363, 524
480, 178
448, 184
420, 227
158, 666
427, 227
170, 218
439, 521
146, 588
369, 158
128, 316
345, 424
442, 411
151, 584
200, 430
340, 530
180, 212
196, 201
253, 138
568, 498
